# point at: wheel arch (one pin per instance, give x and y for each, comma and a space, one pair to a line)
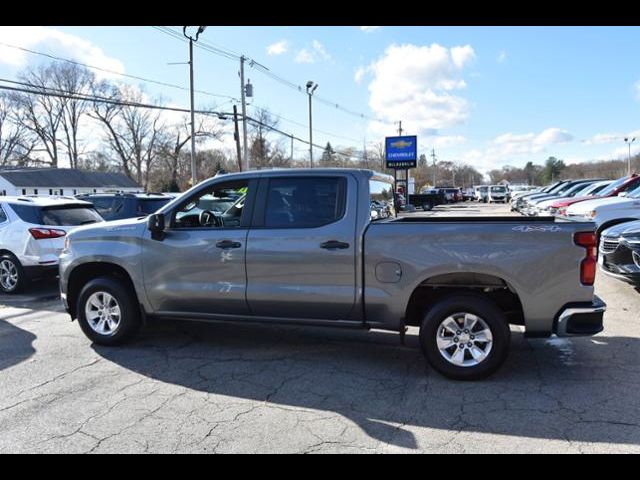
84, 273
435, 288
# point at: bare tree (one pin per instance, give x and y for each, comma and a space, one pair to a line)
15, 142
72, 79
133, 132
40, 113
260, 149
177, 136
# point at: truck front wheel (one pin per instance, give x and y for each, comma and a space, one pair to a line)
465, 337
107, 312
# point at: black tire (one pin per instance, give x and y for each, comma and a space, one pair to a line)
21, 280
481, 307
130, 319
427, 207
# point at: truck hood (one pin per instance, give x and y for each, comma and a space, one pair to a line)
622, 229
128, 226
567, 202
599, 204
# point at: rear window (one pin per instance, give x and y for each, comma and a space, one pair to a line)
62, 216
69, 216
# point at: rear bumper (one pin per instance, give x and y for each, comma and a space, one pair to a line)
41, 271
581, 319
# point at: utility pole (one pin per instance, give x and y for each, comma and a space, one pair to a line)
433, 155
244, 114
291, 157
629, 141
236, 136
194, 176
311, 87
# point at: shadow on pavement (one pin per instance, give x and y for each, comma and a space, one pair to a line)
15, 345
583, 390
36, 291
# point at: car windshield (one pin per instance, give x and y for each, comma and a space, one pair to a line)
577, 188
498, 189
147, 207
614, 186
634, 193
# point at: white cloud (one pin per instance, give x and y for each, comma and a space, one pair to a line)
316, 53
601, 138
369, 29
514, 149
415, 83
278, 48
502, 56
462, 55
320, 50
359, 74
304, 56
57, 43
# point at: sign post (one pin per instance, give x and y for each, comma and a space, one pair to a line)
401, 153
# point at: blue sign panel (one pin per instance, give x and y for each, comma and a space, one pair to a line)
401, 152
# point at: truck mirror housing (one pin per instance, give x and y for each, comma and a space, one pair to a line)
156, 225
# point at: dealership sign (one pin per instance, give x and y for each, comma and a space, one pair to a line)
401, 152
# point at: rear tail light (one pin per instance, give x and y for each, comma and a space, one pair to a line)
589, 241
46, 233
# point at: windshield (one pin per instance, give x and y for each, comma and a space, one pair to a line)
147, 207
577, 188
614, 186
498, 189
634, 193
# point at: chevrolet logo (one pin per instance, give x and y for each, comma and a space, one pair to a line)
401, 144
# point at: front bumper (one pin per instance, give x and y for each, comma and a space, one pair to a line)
623, 263
581, 319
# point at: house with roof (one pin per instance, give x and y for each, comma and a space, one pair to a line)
62, 181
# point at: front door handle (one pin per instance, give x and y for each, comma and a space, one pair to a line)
334, 244
228, 244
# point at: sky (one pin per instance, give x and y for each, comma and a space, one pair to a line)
487, 96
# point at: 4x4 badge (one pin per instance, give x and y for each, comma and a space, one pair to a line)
537, 228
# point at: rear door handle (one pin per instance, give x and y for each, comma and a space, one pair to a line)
334, 244
228, 244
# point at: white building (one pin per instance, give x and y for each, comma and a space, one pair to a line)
62, 181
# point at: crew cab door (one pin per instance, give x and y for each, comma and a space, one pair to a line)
198, 266
301, 249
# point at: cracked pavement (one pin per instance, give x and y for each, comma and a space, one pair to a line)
204, 388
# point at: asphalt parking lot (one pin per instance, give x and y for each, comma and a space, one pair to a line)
190, 387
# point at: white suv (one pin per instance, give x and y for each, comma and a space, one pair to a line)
498, 193
32, 231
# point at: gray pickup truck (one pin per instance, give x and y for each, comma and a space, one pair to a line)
300, 247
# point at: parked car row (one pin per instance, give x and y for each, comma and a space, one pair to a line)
612, 205
33, 228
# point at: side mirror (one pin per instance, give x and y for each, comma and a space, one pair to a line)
155, 224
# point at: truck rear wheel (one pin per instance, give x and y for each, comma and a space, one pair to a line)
465, 337
107, 312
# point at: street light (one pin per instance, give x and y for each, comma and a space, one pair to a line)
193, 128
629, 141
311, 87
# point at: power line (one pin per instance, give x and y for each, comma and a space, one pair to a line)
50, 92
114, 72
229, 54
